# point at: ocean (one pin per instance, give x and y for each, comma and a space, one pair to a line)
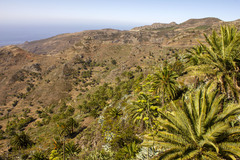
10, 35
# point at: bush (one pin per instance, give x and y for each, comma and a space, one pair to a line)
114, 62
21, 141
2, 134
124, 137
15, 103
87, 74
70, 111
63, 107
39, 156
99, 155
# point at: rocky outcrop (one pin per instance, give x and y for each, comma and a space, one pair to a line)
36, 68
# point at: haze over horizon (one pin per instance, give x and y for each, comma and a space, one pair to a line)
28, 20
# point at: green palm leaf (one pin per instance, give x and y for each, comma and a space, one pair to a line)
199, 128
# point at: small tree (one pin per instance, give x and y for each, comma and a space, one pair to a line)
71, 124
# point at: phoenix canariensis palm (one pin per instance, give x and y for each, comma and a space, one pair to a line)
199, 129
192, 58
165, 84
220, 60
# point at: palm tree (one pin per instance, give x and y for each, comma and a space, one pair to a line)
199, 129
144, 110
114, 113
67, 128
193, 55
130, 150
192, 59
71, 124
21, 140
72, 149
220, 59
164, 83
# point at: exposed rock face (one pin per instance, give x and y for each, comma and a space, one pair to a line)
155, 26
33, 68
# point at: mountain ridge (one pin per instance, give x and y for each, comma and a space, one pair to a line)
67, 68
58, 53
138, 35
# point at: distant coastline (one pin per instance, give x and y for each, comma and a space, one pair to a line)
10, 43
10, 35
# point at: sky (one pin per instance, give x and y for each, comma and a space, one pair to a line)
31, 19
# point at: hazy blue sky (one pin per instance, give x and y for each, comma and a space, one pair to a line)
49, 17
114, 11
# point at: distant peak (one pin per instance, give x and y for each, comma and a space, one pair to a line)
209, 20
155, 26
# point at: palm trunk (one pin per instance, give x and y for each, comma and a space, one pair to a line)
142, 125
196, 81
163, 96
64, 148
235, 83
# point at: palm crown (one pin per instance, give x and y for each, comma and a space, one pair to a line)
219, 59
164, 83
199, 129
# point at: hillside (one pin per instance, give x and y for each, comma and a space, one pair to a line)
86, 74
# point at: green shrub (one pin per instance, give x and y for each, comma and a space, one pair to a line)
21, 141
2, 134
39, 156
15, 103
114, 62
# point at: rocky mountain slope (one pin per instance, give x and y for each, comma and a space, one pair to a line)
42, 64
165, 35
155, 26
67, 67
41, 72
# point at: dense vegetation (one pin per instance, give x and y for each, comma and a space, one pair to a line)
147, 116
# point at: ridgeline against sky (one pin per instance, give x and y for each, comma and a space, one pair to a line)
31, 20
